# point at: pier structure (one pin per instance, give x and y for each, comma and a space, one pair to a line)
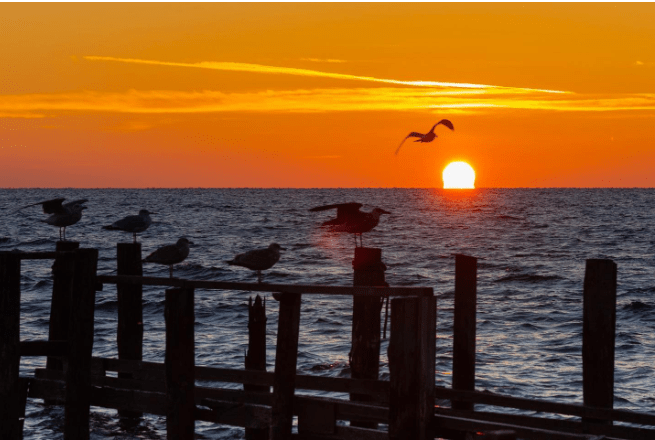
401, 408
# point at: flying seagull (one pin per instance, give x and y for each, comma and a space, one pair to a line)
132, 223
351, 219
62, 215
429, 136
170, 254
258, 259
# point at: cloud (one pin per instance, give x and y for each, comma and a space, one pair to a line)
322, 60
260, 68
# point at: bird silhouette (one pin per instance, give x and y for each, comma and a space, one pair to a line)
429, 136
170, 254
62, 215
351, 219
258, 259
132, 223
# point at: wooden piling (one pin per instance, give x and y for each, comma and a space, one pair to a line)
464, 327
256, 356
10, 417
365, 352
598, 334
130, 310
62, 282
411, 367
286, 357
180, 364
80, 345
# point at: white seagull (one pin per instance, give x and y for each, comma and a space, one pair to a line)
429, 136
62, 215
258, 259
351, 219
170, 254
132, 223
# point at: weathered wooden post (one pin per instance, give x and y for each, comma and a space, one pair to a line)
365, 352
464, 327
10, 417
130, 310
80, 345
180, 363
411, 367
286, 358
256, 355
598, 334
62, 282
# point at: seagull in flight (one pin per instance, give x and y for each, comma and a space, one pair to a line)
132, 223
62, 214
351, 219
429, 136
258, 259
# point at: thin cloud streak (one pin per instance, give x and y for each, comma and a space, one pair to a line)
260, 68
317, 100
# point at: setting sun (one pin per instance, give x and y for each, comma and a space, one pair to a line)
458, 175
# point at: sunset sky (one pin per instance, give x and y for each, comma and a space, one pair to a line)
321, 94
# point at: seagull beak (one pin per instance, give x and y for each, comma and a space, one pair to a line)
385, 212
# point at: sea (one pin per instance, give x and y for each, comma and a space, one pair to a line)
531, 246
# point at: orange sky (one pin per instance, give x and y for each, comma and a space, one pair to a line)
321, 94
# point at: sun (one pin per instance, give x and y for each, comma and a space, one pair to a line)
458, 175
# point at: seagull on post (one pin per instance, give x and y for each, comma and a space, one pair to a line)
170, 254
132, 223
351, 219
258, 259
429, 136
62, 214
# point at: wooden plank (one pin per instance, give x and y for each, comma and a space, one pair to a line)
317, 417
427, 335
78, 373
346, 433
44, 348
365, 351
63, 269
10, 346
464, 326
38, 255
598, 333
286, 356
130, 310
265, 287
130, 400
560, 425
180, 362
256, 357
252, 416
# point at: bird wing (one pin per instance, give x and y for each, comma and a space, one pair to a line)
49, 206
341, 207
258, 259
445, 122
131, 222
412, 134
169, 254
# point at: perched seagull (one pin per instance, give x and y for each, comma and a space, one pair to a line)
351, 219
62, 215
132, 223
429, 136
258, 259
170, 254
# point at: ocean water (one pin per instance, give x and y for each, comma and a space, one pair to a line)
531, 246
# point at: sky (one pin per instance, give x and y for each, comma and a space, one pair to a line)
306, 95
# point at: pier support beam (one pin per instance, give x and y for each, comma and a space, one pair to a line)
365, 352
598, 334
130, 313
10, 413
464, 327
180, 364
256, 356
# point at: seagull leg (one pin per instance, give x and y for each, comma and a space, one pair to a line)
259, 276
170, 269
135, 237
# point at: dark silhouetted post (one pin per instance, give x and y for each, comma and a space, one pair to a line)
365, 352
598, 332
62, 283
464, 327
411, 366
256, 356
12, 426
130, 310
180, 364
80, 345
286, 357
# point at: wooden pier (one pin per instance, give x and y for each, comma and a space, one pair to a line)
401, 408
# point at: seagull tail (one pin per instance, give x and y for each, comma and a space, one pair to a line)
231, 262
110, 228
